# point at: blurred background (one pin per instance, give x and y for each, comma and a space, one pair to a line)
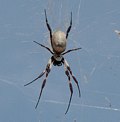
96, 66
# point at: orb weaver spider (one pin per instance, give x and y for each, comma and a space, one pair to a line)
58, 42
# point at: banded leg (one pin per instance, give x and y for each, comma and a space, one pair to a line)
70, 85
71, 88
47, 71
36, 78
68, 67
69, 28
48, 26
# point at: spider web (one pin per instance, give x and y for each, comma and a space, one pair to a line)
97, 66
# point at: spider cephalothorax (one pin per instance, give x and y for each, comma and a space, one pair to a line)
58, 43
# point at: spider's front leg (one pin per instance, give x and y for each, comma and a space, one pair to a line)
69, 69
47, 71
70, 86
68, 72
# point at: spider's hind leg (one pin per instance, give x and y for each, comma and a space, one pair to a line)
69, 28
48, 26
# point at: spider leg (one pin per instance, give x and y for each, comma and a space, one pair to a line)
69, 28
44, 47
36, 78
43, 85
48, 26
71, 88
74, 49
69, 69
70, 85
47, 71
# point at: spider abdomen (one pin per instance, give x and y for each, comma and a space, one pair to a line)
59, 42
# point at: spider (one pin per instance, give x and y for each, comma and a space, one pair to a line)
58, 42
